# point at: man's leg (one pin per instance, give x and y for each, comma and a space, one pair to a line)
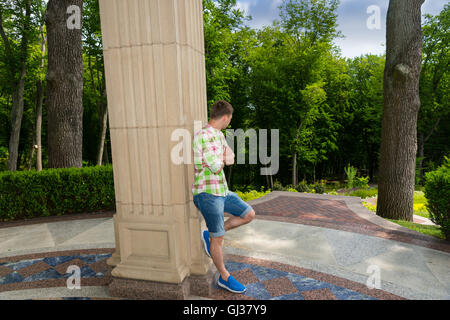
217, 256
234, 222
217, 243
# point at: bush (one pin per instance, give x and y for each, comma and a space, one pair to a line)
303, 187
365, 193
278, 186
319, 188
437, 192
351, 174
252, 194
55, 192
361, 182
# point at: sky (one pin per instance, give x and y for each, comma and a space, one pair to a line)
352, 22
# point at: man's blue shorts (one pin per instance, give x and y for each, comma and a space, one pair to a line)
213, 207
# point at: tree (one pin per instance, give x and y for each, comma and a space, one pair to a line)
64, 83
95, 75
434, 81
310, 27
16, 56
367, 106
36, 145
401, 107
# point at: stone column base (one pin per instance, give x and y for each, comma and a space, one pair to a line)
148, 290
152, 290
114, 260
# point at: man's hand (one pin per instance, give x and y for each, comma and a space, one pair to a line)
228, 156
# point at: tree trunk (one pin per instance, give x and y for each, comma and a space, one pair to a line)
16, 120
294, 170
401, 106
39, 101
230, 172
64, 85
103, 125
36, 145
105, 152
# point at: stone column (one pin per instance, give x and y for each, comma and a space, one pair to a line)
155, 80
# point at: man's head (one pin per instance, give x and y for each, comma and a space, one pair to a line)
221, 114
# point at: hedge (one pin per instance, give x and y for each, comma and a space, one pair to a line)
437, 192
55, 192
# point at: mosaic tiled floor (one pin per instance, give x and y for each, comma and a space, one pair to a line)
50, 269
268, 280
265, 280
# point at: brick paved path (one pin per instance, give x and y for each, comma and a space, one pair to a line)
335, 214
300, 246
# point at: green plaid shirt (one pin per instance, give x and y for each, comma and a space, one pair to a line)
209, 145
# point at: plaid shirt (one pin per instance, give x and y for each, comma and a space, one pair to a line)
209, 145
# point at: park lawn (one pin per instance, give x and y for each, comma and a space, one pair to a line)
419, 204
434, 231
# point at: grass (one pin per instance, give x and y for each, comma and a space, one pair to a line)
364, 193
434, 231
419, 209
419, 204
252, 194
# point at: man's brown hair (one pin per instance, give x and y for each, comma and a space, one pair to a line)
221, 108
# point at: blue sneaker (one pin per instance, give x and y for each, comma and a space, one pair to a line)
231, 285
205, 239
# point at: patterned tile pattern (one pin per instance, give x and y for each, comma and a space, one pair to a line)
265, 280
51, 268
264, 283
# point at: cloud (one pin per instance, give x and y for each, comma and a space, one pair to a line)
352, 21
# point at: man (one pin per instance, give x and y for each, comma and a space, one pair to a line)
210, 190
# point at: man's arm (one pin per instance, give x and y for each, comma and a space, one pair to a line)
213, 157
228, 156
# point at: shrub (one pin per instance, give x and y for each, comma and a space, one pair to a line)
319, 188
252, 194
54, 192
351, 174
364, 193
361, 182
278, 186
437, 192
303, 187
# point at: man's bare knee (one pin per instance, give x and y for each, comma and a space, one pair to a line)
217, 240
250, 216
